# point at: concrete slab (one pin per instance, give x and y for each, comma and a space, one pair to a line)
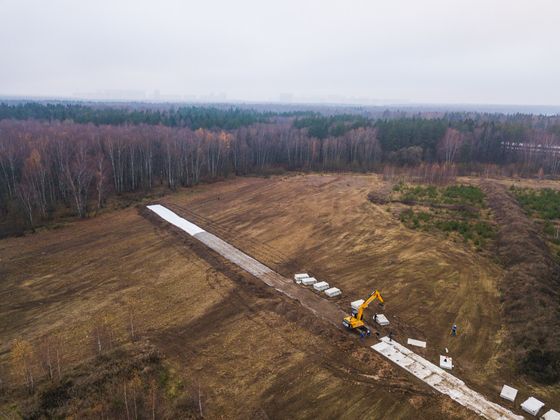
175, 220
356, 304
508, 393
532, 406
442, 381
309, 281
333, 291
551, 415
300, 276
322, 285
446, 362
382, 320
417, 343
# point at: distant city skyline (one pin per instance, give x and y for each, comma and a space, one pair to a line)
357, 52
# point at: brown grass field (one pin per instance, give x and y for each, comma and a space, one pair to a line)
234, 348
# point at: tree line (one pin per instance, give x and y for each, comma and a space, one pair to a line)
185, 116
50, 166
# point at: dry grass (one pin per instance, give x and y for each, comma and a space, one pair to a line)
253, 352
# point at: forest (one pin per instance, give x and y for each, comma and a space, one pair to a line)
70, 158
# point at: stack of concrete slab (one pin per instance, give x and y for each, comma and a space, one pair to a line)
381, 320
551, 415
508, 393
300, 276
333, 291
309, 281
532, 406
356, 304
322, 285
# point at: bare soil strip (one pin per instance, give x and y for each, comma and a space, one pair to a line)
328, 311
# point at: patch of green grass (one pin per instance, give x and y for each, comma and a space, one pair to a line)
544, 206
544, 203
463, 194
453, 194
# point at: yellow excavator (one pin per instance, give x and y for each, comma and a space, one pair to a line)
354, 321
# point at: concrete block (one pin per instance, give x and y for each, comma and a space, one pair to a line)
417, 343
508, 393
382, 320
446, 362
322, 285
356, 304
551, 415
532, 405
333, 291
309, 281
300, 276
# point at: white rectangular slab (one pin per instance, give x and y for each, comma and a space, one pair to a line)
300, 276
532, 405
309, 281
417, 343
508, 393
382, 320
175, 220
322, 285
442, 381
356, 304
551, 415
333, 291
446, 362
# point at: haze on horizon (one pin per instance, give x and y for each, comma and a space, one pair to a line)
434, 51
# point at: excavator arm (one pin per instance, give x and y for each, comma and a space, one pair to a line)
374, 295
354, 320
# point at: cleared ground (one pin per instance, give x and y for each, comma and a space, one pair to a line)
253, 352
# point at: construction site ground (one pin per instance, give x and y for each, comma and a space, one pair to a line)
254, 352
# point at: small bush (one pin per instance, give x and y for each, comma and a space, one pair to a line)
543, 366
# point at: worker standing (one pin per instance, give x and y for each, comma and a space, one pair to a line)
454, 330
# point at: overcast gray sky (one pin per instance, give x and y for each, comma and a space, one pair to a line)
430, 51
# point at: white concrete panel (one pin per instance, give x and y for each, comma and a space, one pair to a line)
551, 415
532, 405
382, 320
175, 220
446, 362
416, 343
356, 304
333, 291
309, 281
508, 393
322, 285
300, 276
